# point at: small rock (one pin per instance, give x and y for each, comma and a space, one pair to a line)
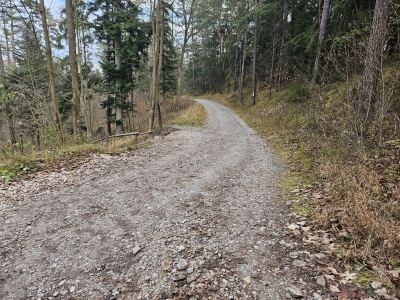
192, 277
179, 277
317, 296
166, 265
72, 289
321, 281
62, 282
147, 278
136, 250
299, 263
40, 294
181, 265
247, 279
376, 285
190, 270
383, 293
56, 294
295, 292
181, 248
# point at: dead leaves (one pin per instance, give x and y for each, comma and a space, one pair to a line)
347, 277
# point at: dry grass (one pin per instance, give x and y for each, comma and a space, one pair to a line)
19, 164
194, 115
363, 208
361, 191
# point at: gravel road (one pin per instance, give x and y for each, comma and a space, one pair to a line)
194, 216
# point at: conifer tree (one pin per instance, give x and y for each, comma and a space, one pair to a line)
125, 39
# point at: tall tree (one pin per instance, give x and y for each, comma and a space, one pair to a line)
243, 62
322, 34
158, 52
2, 69
50, 68
187, 9
125, 39
373, 60
254, 89
69, 9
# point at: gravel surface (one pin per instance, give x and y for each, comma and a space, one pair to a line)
194, 216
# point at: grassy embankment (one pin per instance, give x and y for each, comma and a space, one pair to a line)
16, 164
349, 190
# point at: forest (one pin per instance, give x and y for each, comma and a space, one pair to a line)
319, 78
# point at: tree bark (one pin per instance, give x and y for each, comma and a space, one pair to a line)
7, 45
74, 67
241, 82
160, 64
2, 69
372, 60
282, 47
188, 32
254, 94
321, 38
118, 65
7, 109
51, 71
118, 79
156, 54
274, 46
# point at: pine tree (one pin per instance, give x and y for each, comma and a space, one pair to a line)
125, 40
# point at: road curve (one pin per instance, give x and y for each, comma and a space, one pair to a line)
193, 216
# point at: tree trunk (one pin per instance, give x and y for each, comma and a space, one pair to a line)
7, 44
118, 79
372, 60
74, 66
203, 55
321, 38
241, 82
282, 47
156, 59
51, 71
254, 94
118, 108
160, 64
2, 69
7, 109
188, 33
12, 35
274, 45
193, 66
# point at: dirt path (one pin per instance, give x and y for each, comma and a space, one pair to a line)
194, 216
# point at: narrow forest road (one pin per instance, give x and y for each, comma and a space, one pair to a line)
193, 216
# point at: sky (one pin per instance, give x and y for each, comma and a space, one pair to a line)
55, 6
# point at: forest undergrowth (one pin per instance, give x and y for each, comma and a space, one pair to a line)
350, 190
22, 162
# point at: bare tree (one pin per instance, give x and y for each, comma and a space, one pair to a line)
158, 50
50, 69
2, 69
372, 60
187, 9
321, 38
254, 94
74, 66
243, 65
284, 17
